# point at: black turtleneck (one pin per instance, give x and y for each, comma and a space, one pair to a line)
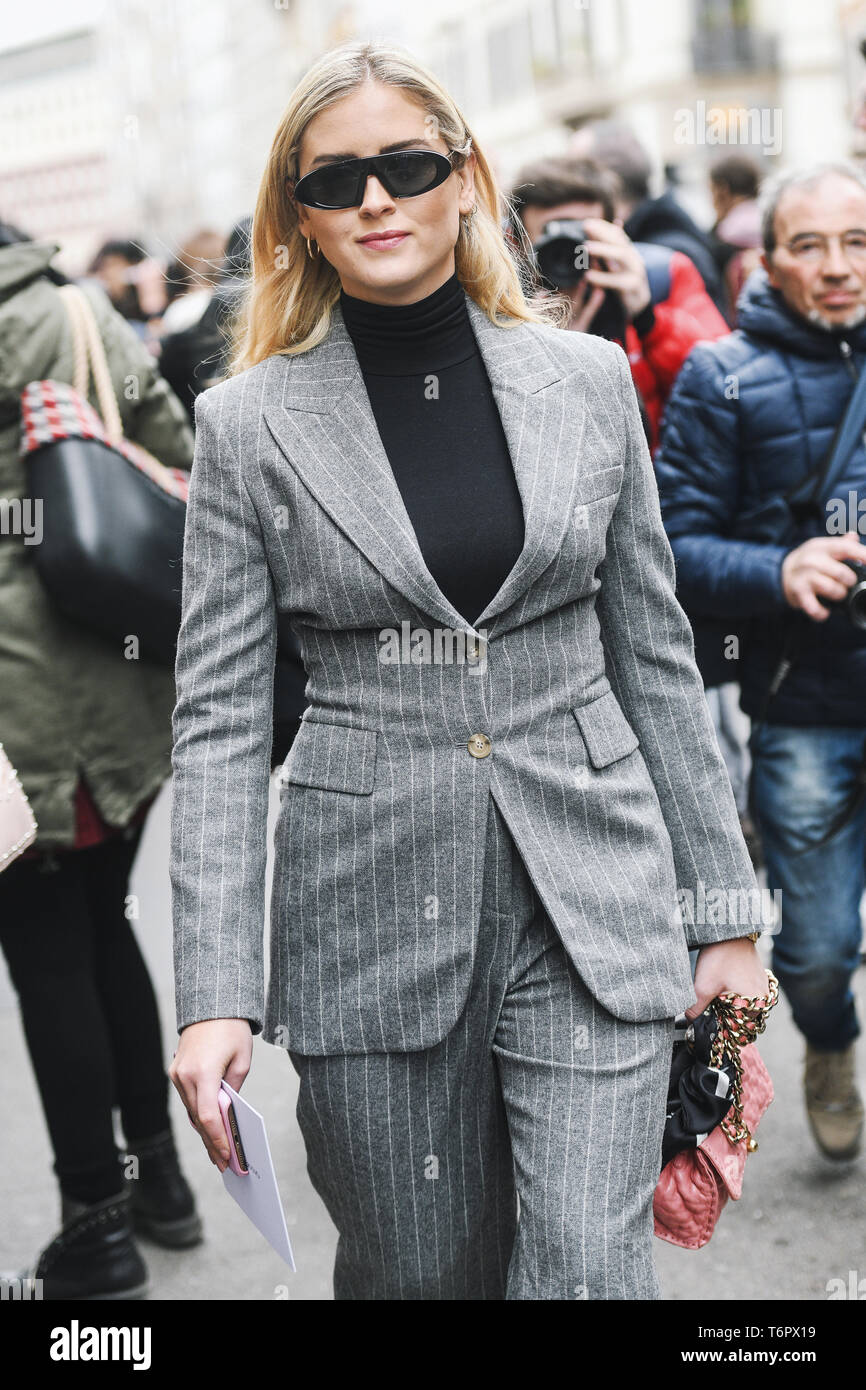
440, 426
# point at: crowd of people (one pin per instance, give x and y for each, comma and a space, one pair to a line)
745, 344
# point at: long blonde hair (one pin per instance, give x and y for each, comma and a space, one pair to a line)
286, 307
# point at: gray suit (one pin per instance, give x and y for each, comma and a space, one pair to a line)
602, 757
476, 945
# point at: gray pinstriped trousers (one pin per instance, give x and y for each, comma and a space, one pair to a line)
537, 1092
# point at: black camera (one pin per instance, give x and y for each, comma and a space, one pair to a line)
854, 602
560, 254
561, 260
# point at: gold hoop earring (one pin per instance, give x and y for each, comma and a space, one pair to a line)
309, 252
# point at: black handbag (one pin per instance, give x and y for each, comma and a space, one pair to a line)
786, 519
706, 1076
113, 517
699, 1094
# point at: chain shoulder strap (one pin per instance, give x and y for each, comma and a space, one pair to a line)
740, 1020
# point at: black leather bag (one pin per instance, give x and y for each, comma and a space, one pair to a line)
113, 518
110, 555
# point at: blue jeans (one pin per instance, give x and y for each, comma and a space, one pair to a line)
801, 780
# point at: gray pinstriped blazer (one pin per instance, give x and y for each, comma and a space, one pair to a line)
602, 759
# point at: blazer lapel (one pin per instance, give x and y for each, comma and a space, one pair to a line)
531, 394
321, 419
319, 415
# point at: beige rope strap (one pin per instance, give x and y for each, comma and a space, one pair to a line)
89, 357
79, 340
89, 352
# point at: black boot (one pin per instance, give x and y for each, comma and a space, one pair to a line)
163, 1206
94, 1255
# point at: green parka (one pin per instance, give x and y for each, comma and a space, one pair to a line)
70, 700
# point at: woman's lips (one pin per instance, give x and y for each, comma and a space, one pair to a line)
384, 243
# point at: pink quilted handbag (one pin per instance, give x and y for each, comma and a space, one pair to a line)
696, 1184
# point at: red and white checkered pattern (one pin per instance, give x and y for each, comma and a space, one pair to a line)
53, 410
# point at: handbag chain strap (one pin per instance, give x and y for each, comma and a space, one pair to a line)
89, 358
740, 1022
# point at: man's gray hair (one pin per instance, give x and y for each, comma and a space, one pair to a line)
773, 189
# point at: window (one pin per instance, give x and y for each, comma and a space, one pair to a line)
724, 39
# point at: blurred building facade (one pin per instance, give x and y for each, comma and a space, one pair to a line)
682, 72
55, 175
158, 116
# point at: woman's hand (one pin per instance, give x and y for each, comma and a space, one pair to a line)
728, 965
208, 1052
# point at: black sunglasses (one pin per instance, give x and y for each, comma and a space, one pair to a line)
404, 173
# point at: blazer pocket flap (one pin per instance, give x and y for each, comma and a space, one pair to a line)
606, 731
333, 757
603, 483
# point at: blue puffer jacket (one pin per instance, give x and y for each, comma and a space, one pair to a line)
750, 416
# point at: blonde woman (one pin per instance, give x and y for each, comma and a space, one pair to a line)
505, 768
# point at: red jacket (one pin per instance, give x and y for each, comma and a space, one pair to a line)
662, 337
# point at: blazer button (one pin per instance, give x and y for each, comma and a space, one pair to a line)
479, 745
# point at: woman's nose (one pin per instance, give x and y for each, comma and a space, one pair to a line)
376, 196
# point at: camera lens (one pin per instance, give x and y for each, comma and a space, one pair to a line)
856, 603
559, 264
559, 254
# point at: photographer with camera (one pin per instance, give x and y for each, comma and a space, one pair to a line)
648, 298
662, 220
761, 473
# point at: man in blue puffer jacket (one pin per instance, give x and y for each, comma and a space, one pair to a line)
750, 416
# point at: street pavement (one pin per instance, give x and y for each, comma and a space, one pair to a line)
800, 1223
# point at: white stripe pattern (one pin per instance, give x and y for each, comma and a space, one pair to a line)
603, 764
537, 1093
